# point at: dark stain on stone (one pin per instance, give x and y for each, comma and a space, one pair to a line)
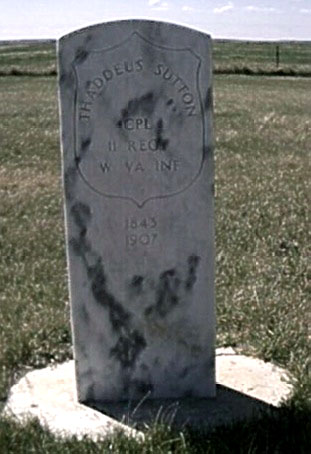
137, 283
78, 247
81, 55
84, 148
70, 180
85, 143
170, 102
185, 372
166, 294
62, 78
208, 103
81, 214
149, 310
128, 347
88, 85
193, 262
118, 316
160, 141
66, 79
130, 341
143, 104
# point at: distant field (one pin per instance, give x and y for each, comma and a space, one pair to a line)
229, 57
259, 57
27, 58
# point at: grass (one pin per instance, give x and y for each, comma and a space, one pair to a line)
230, 57
35, 325
263, 136
252, 58
22, 58
290, 435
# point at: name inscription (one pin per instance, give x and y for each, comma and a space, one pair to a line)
96, 86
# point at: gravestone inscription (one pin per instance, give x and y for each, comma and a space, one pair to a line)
136, 131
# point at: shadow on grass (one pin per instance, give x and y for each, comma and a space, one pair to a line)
227, 407
285, 431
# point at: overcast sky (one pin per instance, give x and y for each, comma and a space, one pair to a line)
243, 19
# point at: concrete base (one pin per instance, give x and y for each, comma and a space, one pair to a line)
245, 387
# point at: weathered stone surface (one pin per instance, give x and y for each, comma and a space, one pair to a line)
136, 106
245, 386
49, 395
252, 376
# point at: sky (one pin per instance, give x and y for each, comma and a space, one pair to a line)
235, 19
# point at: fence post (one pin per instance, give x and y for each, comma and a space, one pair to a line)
277, 55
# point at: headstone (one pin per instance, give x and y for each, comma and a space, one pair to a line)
136, 127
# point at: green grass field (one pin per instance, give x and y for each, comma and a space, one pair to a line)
242, 57
260, 57
22, 58
263, 140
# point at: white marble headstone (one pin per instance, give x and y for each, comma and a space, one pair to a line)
136, 131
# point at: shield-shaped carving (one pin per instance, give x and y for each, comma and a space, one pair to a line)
139, 127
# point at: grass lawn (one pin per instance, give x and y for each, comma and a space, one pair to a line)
22, 58
263, 137
260, 57
229, 57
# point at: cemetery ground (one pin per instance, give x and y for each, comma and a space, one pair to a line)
263, 136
